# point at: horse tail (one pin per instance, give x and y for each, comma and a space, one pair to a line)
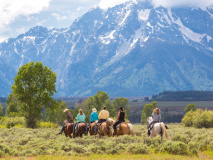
130, 129
164, 130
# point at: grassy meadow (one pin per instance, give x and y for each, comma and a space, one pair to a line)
184, 143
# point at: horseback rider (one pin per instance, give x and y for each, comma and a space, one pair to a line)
93, 118
103, 115
156, 117
80, 118
120, 119
69, 120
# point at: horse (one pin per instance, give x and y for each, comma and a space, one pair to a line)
104, 129
68, 129
92, 128
158, 129
122, 128
80, 129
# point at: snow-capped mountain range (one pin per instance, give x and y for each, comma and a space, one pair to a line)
131, 49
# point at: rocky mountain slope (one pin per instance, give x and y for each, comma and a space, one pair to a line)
132, 49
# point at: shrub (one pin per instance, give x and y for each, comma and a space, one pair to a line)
193, 148
181, 137
198, 119
3, 126
187, 119
178, 148
190, 107
138, 148
12, 121
47, 125
202, 119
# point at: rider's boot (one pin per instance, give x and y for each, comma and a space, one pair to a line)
114, 133
60, 132
148, 132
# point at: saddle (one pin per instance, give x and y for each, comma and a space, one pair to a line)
99, 124
65, 125
152, 125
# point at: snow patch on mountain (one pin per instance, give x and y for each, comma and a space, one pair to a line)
106, 39
196, 37
126, 15
144, 14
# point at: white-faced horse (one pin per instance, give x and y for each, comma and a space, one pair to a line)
158, 129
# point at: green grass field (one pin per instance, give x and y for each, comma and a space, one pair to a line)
183, 143
202, 156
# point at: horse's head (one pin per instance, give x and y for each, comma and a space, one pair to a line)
149, 120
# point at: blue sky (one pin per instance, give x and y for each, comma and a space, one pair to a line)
18, 16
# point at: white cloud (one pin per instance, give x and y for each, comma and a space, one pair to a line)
79, 9
180, 3
59, 17
11, 9
105, 4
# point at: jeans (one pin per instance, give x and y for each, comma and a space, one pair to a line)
152, 123
100, 121
116, 123
88, 126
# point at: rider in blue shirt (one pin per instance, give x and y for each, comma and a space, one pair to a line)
93, 118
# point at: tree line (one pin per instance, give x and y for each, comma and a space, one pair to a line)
32, 98
184, 96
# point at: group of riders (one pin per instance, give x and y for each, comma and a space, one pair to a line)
102, 117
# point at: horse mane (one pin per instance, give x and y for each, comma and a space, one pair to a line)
110, 121
149, 118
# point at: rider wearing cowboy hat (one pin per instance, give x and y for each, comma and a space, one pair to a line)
69, 120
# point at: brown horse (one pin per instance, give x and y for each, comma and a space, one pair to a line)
68, 129
122, 128
80, 129
92, 128
104, 129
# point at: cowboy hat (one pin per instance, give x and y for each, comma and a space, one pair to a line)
94, 110
66, 110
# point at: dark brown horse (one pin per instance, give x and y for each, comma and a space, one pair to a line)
92, 128
68, 129
80, 129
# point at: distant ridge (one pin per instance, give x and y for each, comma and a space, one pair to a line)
184, 96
